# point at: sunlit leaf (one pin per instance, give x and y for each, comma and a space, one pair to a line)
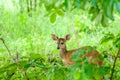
2, 50
35, 56
77, 75
107, 37
6, 67
53, 18
60, 12
117, 41
41, 65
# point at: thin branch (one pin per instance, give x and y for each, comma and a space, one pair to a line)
112, 72
6, 46
14, 58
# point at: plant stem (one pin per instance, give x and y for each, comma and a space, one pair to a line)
6, 46
27, 78
112, 72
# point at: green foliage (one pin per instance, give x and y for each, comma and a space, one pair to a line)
99, 10
90, 71
53, 17
110, 36
27, 33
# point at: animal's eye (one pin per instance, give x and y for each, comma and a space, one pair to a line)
62, 43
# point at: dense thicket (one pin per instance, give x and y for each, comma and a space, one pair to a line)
27, 51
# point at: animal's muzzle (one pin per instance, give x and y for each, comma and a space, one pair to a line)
58, 47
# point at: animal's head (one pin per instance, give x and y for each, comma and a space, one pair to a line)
61, 42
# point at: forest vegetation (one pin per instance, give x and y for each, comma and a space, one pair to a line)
27, 51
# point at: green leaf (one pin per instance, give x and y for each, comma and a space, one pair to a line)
66, 4
89, 70
60, 12
109, 36
1, 58
23, 64
6, 67
98, 18
27, 65
103, 70
41, 65
104, 21
35, 56
94, 12
117, 41
109, 11
49, 6
76, 55
2, 50
60, 74
117, 6
93, 2
11, 72
77, 3
53, 17
77, 75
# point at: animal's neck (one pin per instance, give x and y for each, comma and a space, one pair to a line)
63, 52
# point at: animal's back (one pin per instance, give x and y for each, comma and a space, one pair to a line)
88, 51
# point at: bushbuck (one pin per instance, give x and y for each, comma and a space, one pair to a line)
66, 54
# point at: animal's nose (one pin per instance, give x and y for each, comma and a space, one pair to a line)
58, 47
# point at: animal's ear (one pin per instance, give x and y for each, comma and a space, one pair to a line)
54, 37
67, 37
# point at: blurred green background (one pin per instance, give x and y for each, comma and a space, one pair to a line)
26, 27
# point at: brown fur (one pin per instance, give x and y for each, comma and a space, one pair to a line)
65, 55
